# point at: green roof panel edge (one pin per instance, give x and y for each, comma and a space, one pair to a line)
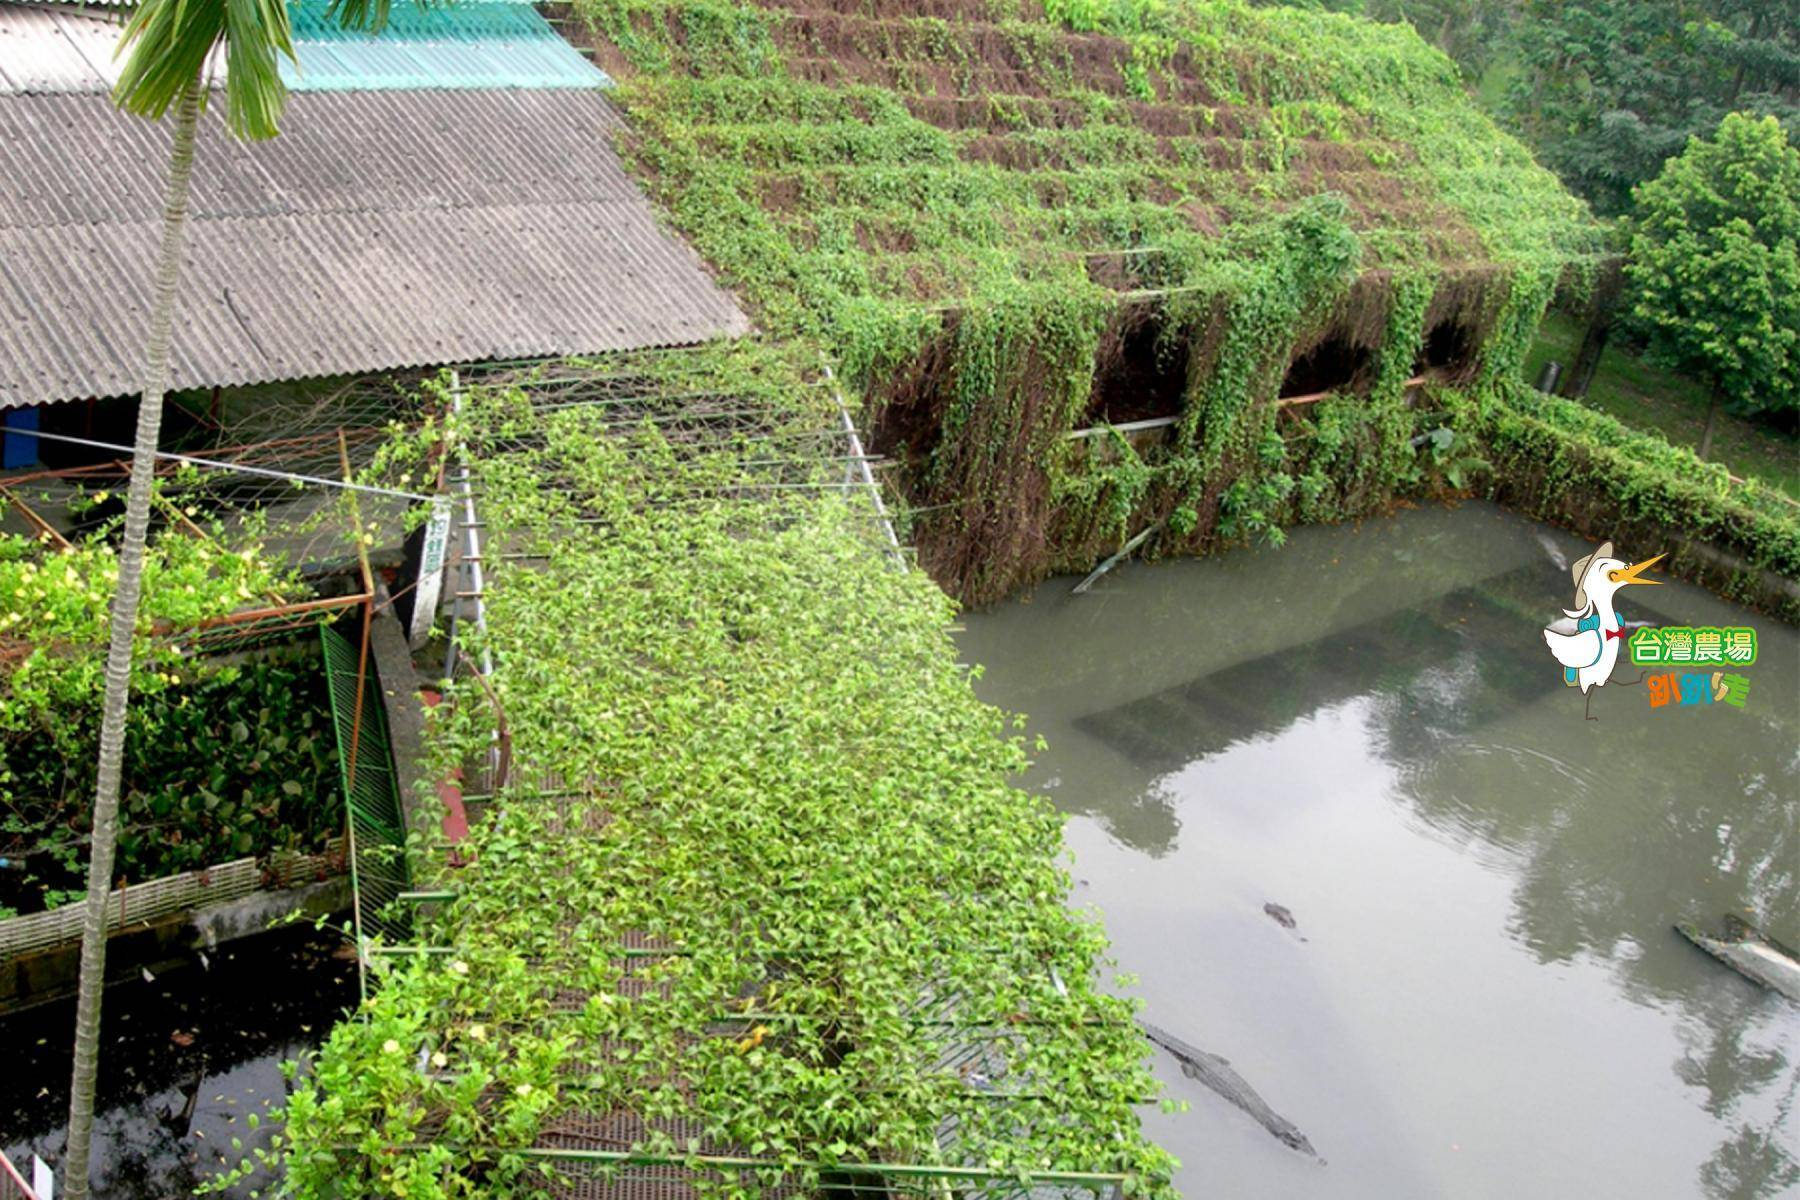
464, 46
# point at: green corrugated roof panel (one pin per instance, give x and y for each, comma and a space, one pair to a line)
484, 44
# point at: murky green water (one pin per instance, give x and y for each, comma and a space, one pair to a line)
1482, 995
189, 1060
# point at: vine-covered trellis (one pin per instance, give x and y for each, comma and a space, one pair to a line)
755, 912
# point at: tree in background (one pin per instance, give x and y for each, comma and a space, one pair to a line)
170, 43
1714, 266
1609, 89
1472, 32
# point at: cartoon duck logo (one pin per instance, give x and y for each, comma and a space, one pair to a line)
1587, 638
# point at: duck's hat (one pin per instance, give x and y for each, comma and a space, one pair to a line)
1579, 571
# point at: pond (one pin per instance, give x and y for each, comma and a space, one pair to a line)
1481, 994
185, 1058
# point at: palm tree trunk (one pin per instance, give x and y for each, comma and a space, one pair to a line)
118, 654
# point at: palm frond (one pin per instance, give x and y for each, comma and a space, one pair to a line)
255, 32
169, 41
370, 16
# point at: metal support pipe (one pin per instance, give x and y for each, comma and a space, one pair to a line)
471, 564
475, 592
214, 464
860, 461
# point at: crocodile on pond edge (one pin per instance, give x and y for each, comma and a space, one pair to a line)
1750, 952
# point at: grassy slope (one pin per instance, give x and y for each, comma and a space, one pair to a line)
1647, 398
853, 174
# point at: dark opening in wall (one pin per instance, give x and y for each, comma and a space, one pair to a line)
1448, 351
112, 421
1333, 365
1138, 374
906, 429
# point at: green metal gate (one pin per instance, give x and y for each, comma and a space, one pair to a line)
377, 830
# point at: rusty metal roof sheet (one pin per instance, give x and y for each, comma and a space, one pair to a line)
383, 230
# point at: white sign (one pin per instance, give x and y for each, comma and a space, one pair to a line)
430, 584
43, 1183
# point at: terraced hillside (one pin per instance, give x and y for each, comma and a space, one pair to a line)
1008, 220
917, 152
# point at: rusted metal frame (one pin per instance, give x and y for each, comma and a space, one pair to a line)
14, 647
1315, 397
169, 456
118, 467
31, 518
281, 610
326, 439
368, 608
12, 1184
217, 641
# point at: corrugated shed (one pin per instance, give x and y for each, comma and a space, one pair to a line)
468, 44
383, 230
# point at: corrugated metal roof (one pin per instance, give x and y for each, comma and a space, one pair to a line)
383, 230
67, 163
44, 49
468, 44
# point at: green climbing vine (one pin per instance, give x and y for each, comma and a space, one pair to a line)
1286, 278
222, 759
958, 209
766, 761
1558, 460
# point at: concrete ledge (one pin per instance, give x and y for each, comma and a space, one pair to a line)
53, 972
405, 718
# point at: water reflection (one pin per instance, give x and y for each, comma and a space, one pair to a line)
1368, 721
186, 1058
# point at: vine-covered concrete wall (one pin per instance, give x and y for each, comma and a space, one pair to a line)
1006, 220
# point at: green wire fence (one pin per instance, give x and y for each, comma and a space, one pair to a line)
377, 829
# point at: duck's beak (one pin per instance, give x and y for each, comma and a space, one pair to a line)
1630, 574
